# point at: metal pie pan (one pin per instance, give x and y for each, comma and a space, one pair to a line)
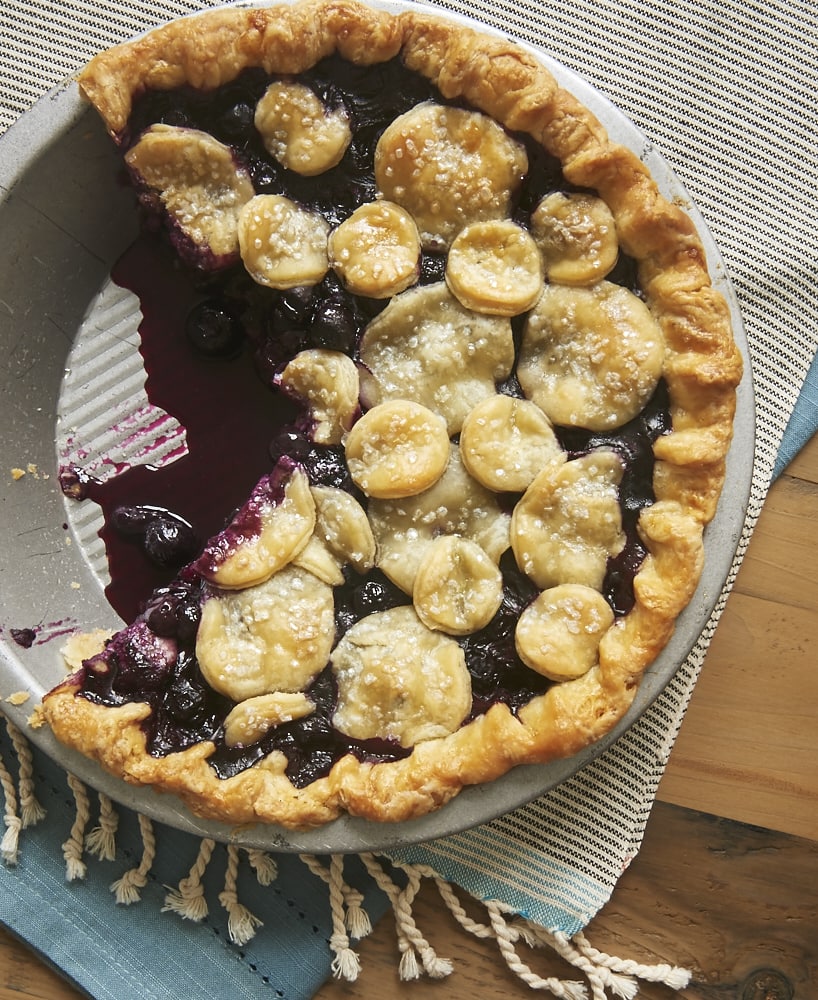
66, 218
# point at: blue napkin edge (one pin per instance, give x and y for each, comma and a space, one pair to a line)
803, 421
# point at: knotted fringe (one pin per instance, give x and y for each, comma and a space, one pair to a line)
21, 797
13, 822
669, 975
31, 812
603, 972
72, 849
345, 963
126, 888
241, 924
606, 976
263, 865
188, 899
349, 919
101, 841
411, 943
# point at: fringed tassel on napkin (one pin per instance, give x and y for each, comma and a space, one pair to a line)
31, 811
356, 919
21, 807
411, 943
188, 899
606, 975
241, 923
346, 964
669, 975
101, 841
72, 849
127, 887
263, 865
349, 919
10, 843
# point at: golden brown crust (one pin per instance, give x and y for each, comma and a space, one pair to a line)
702, 369
210, 49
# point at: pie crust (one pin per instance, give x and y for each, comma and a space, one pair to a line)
701, 367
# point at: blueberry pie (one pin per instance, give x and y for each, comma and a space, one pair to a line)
501, 390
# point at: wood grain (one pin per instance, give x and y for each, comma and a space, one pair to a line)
25, 976
747, 749
725, 881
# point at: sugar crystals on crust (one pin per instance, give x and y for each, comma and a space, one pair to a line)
466, 510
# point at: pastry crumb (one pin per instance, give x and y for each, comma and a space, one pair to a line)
37, 718
82, 646
18, 698
31, 469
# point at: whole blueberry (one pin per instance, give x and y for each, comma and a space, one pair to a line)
188, 616
292, 310
162, 617
264, 174
377, 595
185, 700
289, 443
169, 543
333, 325
213, 330
236, 121
132, 520
326, 466
432, 267
177, 117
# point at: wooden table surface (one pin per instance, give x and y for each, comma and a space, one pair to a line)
726, 882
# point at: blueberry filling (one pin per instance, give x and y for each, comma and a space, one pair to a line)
497, 672
231, 337
312, 744
633, 442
